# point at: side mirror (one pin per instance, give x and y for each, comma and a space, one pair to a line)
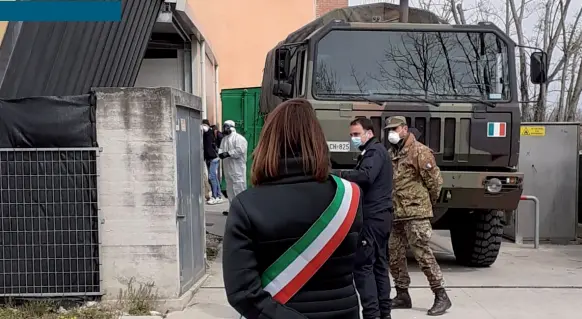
282, 63
538, 67
283, 89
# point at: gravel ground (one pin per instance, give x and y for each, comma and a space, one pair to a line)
213, 243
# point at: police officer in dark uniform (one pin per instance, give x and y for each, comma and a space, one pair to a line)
373, 173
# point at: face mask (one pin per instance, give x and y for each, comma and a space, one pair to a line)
205, 128
356, 141
393, 137
226, 130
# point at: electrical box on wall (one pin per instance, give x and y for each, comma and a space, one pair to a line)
548, 157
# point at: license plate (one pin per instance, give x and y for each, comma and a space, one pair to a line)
338, 146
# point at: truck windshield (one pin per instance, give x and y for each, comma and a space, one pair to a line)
434, 65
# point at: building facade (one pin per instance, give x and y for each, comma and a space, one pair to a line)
3, 25
188, 46
242, 32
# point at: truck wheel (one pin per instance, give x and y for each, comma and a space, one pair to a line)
476, 237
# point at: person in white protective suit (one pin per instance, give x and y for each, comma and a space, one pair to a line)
233, 153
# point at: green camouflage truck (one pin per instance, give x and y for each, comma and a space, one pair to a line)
456, 84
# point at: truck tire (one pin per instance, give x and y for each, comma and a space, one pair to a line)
476, 237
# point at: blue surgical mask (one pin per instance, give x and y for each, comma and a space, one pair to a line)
356, 141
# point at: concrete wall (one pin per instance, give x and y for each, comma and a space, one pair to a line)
242, 32
137, 189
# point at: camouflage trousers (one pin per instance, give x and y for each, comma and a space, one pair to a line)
416, 234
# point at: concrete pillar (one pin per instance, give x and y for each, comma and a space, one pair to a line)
196, 83
203, 77
218, 101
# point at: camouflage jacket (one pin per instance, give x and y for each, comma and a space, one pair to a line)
417, 180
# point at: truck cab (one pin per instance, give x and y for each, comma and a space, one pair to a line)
456, 84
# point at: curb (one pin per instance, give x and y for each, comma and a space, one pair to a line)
204, 279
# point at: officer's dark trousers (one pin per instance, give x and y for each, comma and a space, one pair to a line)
371, 275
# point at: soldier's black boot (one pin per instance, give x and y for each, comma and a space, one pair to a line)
402, 299
441, 303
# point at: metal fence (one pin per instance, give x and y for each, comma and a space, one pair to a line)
49, 223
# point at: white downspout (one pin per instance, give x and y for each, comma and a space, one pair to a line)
194, 66
203, 77
217, 96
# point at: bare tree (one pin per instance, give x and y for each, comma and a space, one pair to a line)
361, 82
551, 28
574, 66
518, 14
570, 63
326, 80
438, 64
557, 30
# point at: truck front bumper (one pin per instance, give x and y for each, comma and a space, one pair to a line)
481, 190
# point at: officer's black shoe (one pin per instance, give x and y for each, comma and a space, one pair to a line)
387, 317
402, 299
225, 213
441, 303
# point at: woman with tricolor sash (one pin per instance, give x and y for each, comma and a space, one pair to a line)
290, 241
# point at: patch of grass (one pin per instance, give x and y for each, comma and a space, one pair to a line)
91, 313
48, 310
37, 308
138, 299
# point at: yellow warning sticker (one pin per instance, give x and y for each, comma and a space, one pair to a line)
532, 131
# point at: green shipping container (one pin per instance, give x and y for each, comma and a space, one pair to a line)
242, 107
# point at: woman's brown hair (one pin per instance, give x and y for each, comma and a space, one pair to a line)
291, 130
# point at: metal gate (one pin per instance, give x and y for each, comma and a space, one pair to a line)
49, 222
190, 210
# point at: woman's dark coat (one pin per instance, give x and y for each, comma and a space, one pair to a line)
262, 224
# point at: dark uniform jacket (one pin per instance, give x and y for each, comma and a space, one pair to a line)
209, 145
263, 222
417, 180
373, 173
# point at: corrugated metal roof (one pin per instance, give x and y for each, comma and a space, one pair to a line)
68, 58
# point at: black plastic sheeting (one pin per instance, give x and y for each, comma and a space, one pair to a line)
48, 197
41, 122
49, 224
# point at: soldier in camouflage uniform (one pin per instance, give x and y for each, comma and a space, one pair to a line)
416, 188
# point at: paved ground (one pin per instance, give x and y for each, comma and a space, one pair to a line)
523, 284
214, 219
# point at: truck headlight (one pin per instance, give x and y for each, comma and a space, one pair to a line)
494, 185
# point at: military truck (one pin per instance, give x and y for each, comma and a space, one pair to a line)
456, 84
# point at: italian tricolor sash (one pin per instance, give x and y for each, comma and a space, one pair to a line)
290, 272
